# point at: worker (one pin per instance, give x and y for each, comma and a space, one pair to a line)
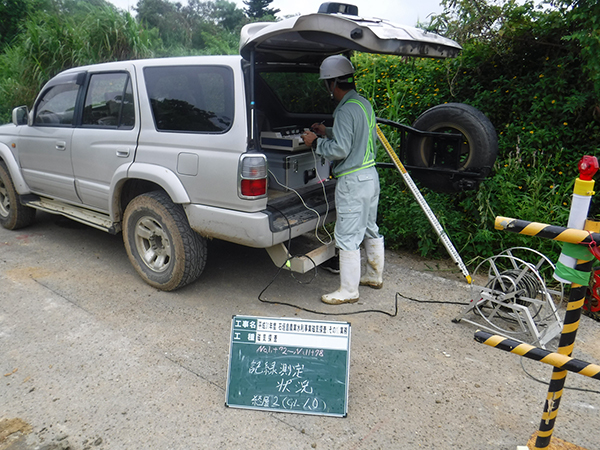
350, 146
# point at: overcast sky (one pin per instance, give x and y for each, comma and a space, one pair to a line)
405, 12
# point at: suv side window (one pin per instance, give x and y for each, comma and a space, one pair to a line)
109, 101
191, 98
57, 106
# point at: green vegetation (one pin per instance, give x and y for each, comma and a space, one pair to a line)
55, 36
258, 9
44, 37
533, 70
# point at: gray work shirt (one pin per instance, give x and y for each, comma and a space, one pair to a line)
346, 143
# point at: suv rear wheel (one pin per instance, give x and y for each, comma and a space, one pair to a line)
13, 215
160, 243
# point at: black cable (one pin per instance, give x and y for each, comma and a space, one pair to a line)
439, 302
547, 384
310, 281
362, 311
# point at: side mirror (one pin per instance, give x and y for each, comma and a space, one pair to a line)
20, 115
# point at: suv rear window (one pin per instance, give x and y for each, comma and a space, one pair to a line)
109, 101
191, 98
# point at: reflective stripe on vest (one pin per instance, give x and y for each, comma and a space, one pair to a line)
369, 159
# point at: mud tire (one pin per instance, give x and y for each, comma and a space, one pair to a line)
13, 215
160, 243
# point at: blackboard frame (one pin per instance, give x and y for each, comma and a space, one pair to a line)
289, 365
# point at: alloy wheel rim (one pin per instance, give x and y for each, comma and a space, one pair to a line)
153, 244
4, 201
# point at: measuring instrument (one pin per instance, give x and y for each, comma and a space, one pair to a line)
424, 206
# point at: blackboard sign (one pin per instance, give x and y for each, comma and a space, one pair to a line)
289, 365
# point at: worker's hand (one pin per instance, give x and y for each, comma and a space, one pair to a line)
308, 137
318, 128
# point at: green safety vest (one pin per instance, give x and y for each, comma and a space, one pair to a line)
369, 159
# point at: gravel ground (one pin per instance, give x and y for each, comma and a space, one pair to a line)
92, 358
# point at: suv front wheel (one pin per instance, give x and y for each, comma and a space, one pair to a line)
160, 243
13, 215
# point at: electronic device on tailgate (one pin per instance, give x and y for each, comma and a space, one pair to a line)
296, 171
287, 139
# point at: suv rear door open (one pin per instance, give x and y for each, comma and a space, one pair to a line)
312, 37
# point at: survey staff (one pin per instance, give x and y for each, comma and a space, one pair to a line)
350, 146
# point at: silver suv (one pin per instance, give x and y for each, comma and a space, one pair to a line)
173, 151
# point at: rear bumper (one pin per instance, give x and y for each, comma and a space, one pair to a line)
249, 229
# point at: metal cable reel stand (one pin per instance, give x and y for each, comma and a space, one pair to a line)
515, 301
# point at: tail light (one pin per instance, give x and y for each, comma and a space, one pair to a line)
253, 176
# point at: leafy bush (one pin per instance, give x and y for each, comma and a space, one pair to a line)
51, 43
534, 87
45, 37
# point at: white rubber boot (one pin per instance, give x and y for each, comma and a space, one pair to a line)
373, 276
349, 279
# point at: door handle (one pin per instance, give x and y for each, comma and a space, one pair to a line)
61, 146
123, 152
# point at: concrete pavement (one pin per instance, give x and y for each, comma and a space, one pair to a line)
91, 357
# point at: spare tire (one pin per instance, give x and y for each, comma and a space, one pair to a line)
478, 149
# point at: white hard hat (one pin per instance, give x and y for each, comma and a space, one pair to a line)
334, 67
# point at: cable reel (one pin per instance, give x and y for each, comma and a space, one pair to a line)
514, 300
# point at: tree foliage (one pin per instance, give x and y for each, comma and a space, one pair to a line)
43, 37
206, 27
259, 9
75, 33
11, 14
530, 69
584, 19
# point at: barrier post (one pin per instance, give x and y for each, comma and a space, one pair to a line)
565, 347
577, 271
579, 277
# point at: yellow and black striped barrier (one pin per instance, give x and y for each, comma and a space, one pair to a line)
557, 360
577, 294
574, 266
542, 230
561, 360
